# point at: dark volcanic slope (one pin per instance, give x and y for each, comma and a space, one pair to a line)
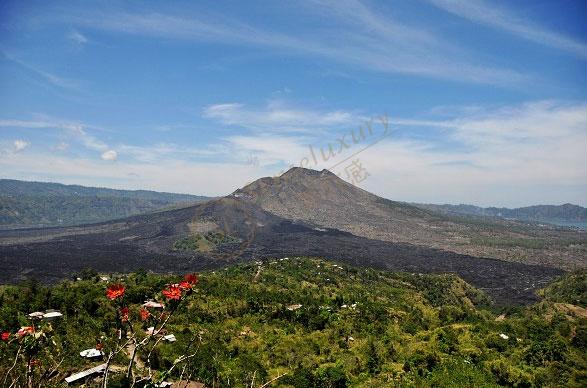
322, 198
146, 242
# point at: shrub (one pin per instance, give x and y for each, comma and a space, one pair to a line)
541, 353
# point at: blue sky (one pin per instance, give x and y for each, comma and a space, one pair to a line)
468, 101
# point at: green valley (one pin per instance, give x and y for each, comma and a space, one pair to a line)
315, 323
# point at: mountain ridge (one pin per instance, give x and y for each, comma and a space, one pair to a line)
26, 204
564, 212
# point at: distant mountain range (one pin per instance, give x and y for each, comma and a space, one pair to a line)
34, 204
540, 213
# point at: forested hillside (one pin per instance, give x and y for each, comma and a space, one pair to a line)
545, 213
305, 323
32, 204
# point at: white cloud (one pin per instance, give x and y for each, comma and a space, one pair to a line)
491, 15
171, 176
514, 156
270, 149
162, 151
362, 37
77, 38
27, 124
74, 130
109, 155
20, 145
88, 140
277, 116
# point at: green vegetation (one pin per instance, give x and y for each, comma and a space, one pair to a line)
52, 204
570, 289
538, 213
355, 327
203, 242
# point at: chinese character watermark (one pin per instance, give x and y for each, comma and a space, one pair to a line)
355, 172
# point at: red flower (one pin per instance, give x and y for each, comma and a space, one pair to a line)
185, 285
115, 291
5, 336
144, 314
124, 314
172, 292
191, 278
25, 330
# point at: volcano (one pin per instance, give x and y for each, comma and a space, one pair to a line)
300, 213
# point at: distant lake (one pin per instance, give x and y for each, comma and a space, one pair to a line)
577, 224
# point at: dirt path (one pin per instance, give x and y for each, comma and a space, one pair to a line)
571, 309
257, 274
130, 349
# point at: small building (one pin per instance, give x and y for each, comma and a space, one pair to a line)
51, 315
85, 374
170, 338
36, 315
48, 315
91, 353
151, 331
154, 305
293, 307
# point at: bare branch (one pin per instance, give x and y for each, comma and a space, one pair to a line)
272, 380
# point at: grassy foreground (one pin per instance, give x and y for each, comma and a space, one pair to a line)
319, 324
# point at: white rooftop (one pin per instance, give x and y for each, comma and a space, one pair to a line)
91, 353
153, 304
82, 375
52, 314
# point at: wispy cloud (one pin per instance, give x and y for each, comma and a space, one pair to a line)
516, 155
512, 155
361, 37
77, 38
45, 76
169, 175
480, 12
531, 122
72, 129
88, 140
270, 149
166, 151
278, 116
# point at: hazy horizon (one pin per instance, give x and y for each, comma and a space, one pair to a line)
228, 193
